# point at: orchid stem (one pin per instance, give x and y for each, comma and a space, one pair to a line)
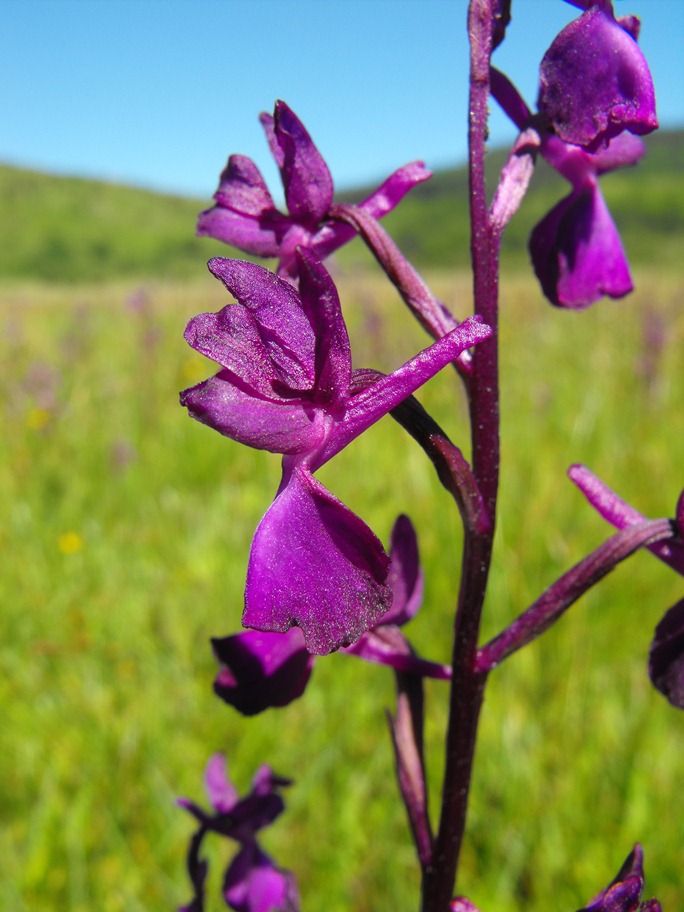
467, 687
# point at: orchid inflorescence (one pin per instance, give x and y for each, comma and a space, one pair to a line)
318, 579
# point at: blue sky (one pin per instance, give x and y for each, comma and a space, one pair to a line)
157, 93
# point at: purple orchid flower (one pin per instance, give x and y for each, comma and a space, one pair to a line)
594, 80
623, 893
246, 217
576, 250
666, 655
286, 385
594, 85
263, 670
252, 883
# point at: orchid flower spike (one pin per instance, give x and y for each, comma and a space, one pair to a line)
252, 883
262, 670
285, 386
245, 216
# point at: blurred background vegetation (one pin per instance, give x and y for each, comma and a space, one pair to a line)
69, 230
126, 529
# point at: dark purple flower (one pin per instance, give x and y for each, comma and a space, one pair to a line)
286, 386
252, 883
666, 655
623, 894
246, 217
595, 82
259, 670
263, 670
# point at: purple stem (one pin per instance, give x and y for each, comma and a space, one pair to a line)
549, 607
468, 683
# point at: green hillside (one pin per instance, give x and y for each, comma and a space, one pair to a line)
69, 229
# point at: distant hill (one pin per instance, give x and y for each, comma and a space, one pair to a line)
71, 230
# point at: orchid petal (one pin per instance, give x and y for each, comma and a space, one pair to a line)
260, 670
620, 514
287, 427
244, 214
387, 645
406, 574
282, 323
221, 792
321, 304
623, 892
253, 884
595, 81
316, 565
666, 657
306, 178
577, 253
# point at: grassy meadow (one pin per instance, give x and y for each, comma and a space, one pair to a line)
126, 528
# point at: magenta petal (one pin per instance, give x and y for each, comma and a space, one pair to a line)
387, 645
244, 214
461, 904
595, 81
390, 193
621, 152
260, 670
221, 792
232, 339
406, 575
666, 657
253, 884
577, 253
321, 304
243, 189
306, 178
314, 564
277, 309
285, 426
620, 514
244, 232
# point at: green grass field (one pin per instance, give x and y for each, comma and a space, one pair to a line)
126, 528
